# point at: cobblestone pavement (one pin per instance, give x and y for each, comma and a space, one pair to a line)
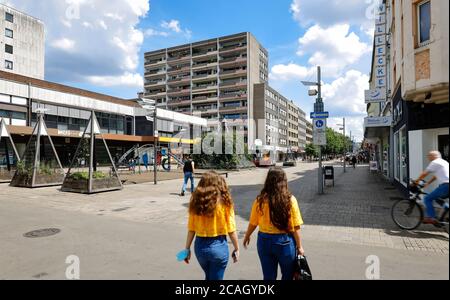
355, 211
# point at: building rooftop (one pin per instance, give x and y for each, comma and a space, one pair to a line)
64, 89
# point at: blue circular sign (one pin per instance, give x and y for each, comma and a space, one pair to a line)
320, 123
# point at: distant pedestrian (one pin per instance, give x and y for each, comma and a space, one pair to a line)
188, 171
145, 160
276, 213
354, 162
211, 219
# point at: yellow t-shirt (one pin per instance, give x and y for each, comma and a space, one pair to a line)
221, 223
262, 219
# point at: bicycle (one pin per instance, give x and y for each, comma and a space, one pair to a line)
408, 214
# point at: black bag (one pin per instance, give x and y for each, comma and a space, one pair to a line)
302, 270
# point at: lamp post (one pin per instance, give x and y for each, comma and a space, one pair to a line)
345, 142
318, 108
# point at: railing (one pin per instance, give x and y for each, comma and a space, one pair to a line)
233, 47
186, 56
175, 91
155, 72
233, 96
155, 62
204, 53
202, 76
233, 71
201, 87
234, 83
155, 82
172, 80
204, 64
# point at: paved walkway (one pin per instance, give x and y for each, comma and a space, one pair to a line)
135, 233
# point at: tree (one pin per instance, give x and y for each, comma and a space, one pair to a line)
311, 150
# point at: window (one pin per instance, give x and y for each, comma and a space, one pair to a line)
9, 49
9, 33
9, 17
9, 65
424, 22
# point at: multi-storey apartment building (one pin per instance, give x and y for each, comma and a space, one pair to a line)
213, 78
22, 49
293, 129
302, 128
309, 132
271, 111
414, 37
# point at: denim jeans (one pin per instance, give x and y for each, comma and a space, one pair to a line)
274, 250
212, 254
188, 176
440, 192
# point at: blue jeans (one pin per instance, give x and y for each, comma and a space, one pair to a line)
212, 254
274, 250
440, 192
188, 176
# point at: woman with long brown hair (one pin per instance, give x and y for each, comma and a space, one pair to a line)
211, 219
278, 216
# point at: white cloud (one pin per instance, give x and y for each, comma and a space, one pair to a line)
345, 95
101, 38
334, 48
355, 125
290, 71
63, 44
152, 32
330, 12
128, 79
173, 25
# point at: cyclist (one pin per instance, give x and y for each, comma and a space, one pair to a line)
438, 167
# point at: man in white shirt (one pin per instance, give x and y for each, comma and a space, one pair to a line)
438, 167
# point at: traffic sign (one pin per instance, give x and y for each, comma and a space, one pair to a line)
320, 132
320, 115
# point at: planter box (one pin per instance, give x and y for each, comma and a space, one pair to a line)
98, 185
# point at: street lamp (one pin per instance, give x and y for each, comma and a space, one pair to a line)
150, 106
345, 142
318, 108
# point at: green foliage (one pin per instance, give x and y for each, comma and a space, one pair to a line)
85, 175
311, 150
24, 170
337, 143
224, 161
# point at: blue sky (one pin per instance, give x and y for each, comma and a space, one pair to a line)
99, 44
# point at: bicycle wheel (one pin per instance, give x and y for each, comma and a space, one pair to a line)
407, 214
444, 220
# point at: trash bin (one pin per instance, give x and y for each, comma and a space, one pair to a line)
328, 173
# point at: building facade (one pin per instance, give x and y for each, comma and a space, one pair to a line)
213, 79
309, 132
302, 129
22, 49
293, 129
417, 82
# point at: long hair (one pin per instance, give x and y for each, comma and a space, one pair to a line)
210, 189
278, 196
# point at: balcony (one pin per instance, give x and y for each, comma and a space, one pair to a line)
155, 62
156, 94
233, 61
177, 59
173, 92
233, 48
233, 84
178, 102
233, 73
155, 83
204, 87
155, 73
175, 70
233, 97
205, 54
186, 79
203, 76
233, 109
204, 99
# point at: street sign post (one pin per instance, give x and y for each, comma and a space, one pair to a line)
320, 115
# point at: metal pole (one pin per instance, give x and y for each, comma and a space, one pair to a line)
319, 100
155, 151
345, 148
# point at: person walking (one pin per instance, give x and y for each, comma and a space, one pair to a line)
145, 160
188, 171
354, 161
276, 212
211, 219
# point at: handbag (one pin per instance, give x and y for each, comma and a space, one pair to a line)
302, 270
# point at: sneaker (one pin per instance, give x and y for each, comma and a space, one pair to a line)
182, 194
430, 221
